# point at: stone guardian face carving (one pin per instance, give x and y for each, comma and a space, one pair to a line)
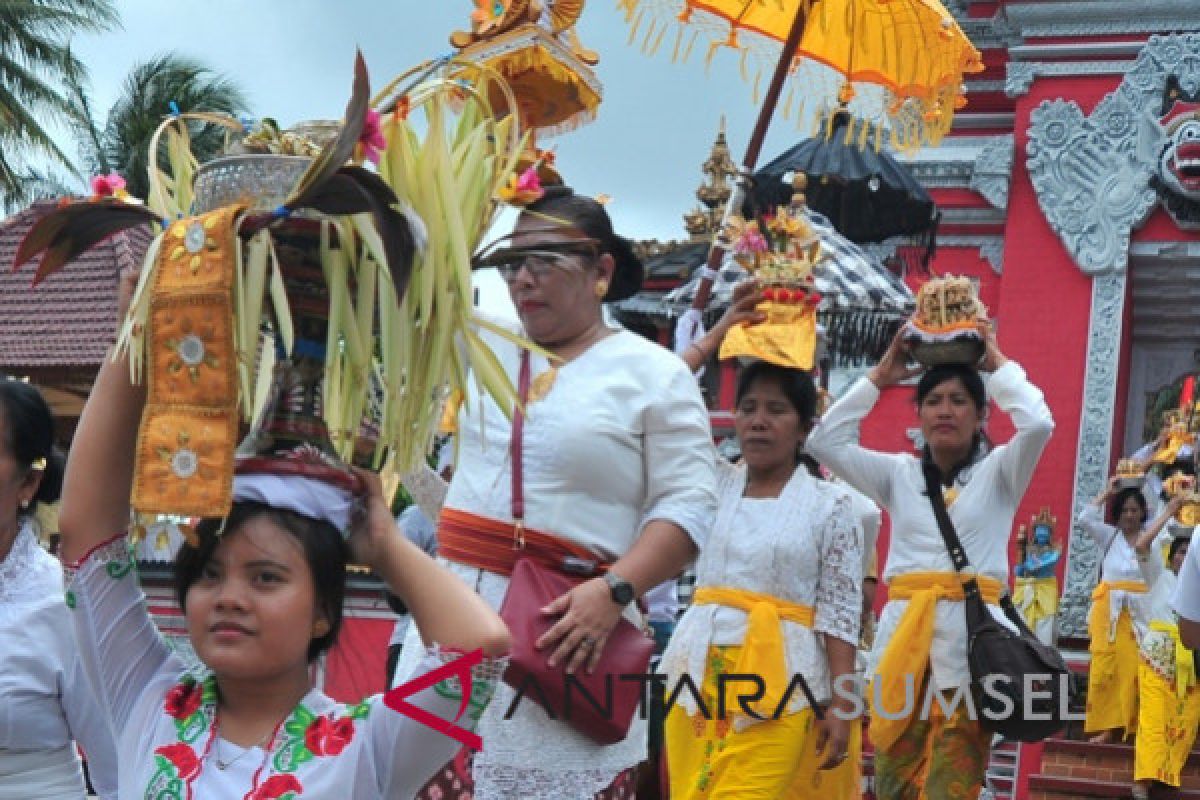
1179, 167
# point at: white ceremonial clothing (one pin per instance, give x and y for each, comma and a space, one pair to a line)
621, 439
1186, 600
46, 701
1158, 647
1120, 564
989, 493
803, 546
324, 750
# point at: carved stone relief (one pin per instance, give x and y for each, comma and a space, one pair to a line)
992, 174
1092, 174
1095, 443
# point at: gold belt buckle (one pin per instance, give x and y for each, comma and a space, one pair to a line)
519, 534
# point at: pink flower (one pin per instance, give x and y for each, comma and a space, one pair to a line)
371, 142
110, 185
523, 189
751, 241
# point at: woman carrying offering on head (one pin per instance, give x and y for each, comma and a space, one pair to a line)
261, 592
1117, 620
1168, 695
921, 643
615, 468
45, 699
778, 596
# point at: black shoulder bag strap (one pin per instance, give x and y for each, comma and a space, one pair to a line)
958, 554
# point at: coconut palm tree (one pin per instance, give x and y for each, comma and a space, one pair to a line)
152, 90
34, 63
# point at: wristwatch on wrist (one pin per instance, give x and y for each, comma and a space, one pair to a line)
619, 589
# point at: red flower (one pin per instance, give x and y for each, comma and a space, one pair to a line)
183, 700
184, 759
326, 737
275, 787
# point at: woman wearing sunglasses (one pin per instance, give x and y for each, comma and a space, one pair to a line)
616, 467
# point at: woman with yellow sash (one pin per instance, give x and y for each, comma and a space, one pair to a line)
778, 597
927, 745
1169, 698
1117, 620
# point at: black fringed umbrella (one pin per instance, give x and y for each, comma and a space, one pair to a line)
867, 195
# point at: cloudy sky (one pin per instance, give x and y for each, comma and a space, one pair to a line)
294, 58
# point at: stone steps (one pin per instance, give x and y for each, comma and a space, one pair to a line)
1079, 769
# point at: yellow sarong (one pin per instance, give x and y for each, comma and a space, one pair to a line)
1036, 599
1185, 662
762, 651
1167, 723
1113, 671
907, 653
710, 759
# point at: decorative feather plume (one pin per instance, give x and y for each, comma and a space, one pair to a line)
335, 154
66, 232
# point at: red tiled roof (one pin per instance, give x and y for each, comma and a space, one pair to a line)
69, 319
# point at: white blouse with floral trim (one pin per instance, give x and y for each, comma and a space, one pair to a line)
804, 546
166, 718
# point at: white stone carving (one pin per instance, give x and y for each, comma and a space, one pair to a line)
1020, 75
1095, 443
1092, 174
992, 171
1094, 17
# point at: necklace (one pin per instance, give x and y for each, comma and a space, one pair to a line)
223, 764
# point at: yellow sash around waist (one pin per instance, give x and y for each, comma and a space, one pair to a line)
762, 650
1185, 665
1036, 598
907, 652
1100, 627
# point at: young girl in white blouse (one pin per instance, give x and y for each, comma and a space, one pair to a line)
262, 596
921, 643
45, 699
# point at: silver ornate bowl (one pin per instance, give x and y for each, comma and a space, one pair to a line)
262, 180
962, 350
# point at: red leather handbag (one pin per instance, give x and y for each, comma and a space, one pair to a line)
599, 705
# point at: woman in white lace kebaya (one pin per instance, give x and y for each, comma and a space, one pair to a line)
778, 596
617, 467
921, 644
45, 700
262, 595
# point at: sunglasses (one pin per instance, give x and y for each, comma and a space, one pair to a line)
537, 259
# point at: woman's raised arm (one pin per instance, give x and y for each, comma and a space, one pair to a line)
99, 475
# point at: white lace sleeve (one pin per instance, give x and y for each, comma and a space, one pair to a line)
839, 585
120, 650
411, 751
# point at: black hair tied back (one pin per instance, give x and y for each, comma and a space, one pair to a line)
28, 431
590, 217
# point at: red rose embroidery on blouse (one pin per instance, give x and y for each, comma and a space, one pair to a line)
275, 787
326, 737
183, 757
183, 700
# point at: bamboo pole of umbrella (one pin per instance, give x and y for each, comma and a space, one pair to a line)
753, 149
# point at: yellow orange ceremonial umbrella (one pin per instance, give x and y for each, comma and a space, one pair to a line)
896, 66
904, 60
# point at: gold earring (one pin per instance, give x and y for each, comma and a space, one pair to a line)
601, 289
320, 628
